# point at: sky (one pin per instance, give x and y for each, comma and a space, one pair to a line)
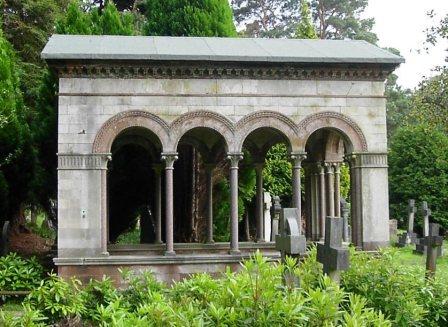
400, 24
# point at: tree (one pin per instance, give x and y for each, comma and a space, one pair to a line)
341, 19
188, 18
305, 28
430, 102
17, 157
418, 161
437, 32
267, 18
107, 21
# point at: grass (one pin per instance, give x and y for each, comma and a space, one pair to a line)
406, 257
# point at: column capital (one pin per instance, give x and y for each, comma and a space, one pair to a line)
329, 167
169, 158
234, 158
297, 158
321, 168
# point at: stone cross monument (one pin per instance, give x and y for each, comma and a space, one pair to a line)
290, 241
275, 216
345, 210
332, 254
409, 237
420, 246
433, 243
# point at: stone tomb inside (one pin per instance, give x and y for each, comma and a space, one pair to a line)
224, 97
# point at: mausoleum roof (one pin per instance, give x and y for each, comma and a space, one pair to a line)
215, 49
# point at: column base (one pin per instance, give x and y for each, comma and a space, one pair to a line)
169, 254
158, 242
210, 242
105, 254
234, 252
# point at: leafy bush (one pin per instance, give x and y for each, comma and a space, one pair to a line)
130, 237
418, 161
18, 274
401, 292
255, 296
57, 299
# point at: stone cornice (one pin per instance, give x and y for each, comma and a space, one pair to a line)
207, 70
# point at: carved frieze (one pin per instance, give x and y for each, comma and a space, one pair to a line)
69, 161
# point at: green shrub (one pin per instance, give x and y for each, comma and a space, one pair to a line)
97, 293
401, 292
418, 161
57, 299
18, 274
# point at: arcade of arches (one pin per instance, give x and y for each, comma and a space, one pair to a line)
167, 190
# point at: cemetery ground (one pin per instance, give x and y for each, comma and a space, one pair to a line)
385, 289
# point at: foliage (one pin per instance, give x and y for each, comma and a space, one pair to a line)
109, 22
57, 299
277, 173
341, 19
188, 18
18, 274
418, 163
255, 296
398, 105
130, 237
430, 102
17, 156
305, 28
275, 18
437, 32
401, 292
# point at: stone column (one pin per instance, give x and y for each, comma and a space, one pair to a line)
209, 184
337, 189
322, 208
315, 205
297, 159
169, 159
234, 160
330, 189
259, 205
158, 203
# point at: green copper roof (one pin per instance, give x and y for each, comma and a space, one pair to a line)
73, 47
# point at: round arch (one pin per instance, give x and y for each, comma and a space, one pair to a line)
267, 119
202, 119
333, 120
125, 120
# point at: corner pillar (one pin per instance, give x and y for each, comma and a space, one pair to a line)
297, 158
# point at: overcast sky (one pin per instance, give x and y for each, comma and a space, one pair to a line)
400, 24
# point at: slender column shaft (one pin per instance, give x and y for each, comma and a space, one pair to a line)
330, 189
209, 182
234, 159
322, 209
297, 159
259, 202
158, 204
337, 189
169, 228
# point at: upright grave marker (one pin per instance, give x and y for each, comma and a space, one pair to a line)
290, 241
4, 240
433, 243
275, 214
332, 254
344, 213
420, 246
409, 237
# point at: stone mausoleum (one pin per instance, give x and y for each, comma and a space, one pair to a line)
227, 98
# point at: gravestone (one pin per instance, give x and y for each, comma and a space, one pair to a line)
4, 240
409, 237
290, 240
275, 214
267, 217
332, 254
420, 247
433, 243
345, 210
393, 228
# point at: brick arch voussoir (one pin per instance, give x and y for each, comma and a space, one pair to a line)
128, 119
337, 121
267, 119
206, 119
